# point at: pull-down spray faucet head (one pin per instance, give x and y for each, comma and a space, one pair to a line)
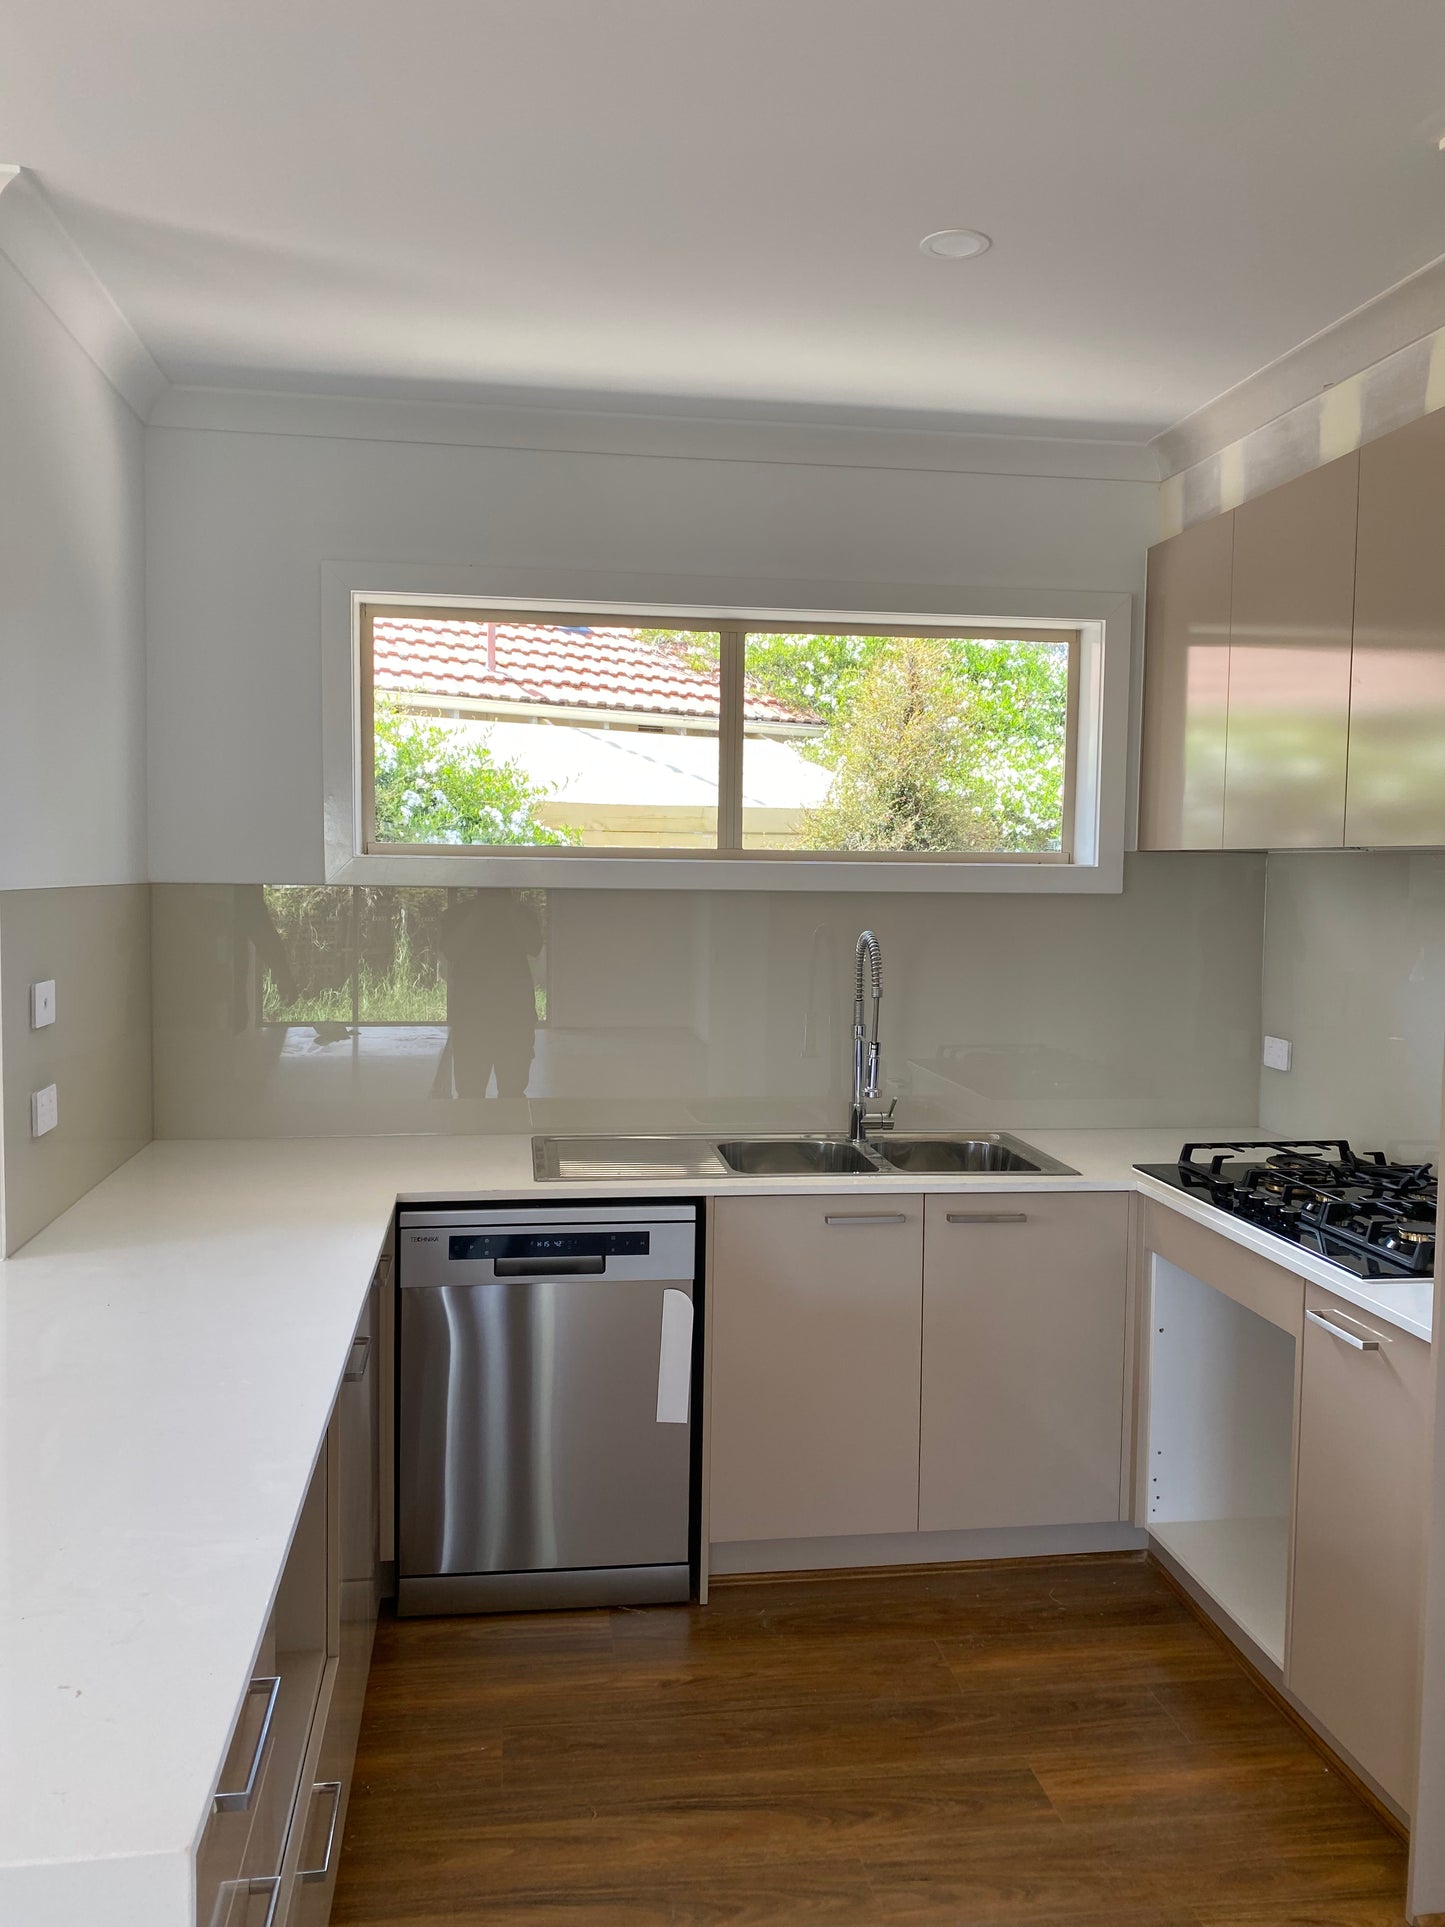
865, 1037
868, 949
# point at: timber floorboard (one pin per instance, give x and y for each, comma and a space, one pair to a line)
1056, 1742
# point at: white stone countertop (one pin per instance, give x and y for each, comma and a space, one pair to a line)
170, 1350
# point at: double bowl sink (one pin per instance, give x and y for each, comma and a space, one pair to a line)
792, 1155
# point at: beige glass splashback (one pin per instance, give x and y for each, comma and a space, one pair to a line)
313, 1009
93, 941
1354, 977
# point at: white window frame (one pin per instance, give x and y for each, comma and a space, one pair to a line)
1103, 624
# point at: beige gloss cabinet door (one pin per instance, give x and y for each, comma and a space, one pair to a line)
1023, 1360
816, 1327
1291, 610
1396, 789
1360, 1538
1186, 689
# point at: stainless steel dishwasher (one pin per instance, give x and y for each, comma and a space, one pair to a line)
544, 1420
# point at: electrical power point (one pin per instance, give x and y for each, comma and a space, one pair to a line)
1277, 1053
44, 1110
42, 1004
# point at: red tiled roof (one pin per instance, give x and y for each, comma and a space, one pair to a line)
530, 663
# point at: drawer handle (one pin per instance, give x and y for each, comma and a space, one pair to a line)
988, 1217
356, 1367
240, 1800
333, 1787
1338, 1331
865, 1217
269, 1883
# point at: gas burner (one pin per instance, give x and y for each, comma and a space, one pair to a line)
1405, 1234
1364, 1213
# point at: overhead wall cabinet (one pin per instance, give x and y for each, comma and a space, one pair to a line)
1186, 689
1397, 701
1290, 610
1294, 678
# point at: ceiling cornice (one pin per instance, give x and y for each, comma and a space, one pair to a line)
579, 431
38, 246
1404, 313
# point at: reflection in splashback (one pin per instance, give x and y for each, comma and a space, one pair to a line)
304, 1010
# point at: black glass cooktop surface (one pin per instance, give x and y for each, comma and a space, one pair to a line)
1368, 1215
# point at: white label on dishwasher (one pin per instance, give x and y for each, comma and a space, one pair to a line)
674, 1361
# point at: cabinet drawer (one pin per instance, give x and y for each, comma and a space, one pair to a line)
245, 1902
246, 1780
244, 1842
321, 1818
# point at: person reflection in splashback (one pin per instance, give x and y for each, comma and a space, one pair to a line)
487, 940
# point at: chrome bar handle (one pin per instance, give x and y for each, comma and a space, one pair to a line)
239, 1801
269, 1883
988, 1217
865, 1217
356, 1371
1347, 1338
333, 1787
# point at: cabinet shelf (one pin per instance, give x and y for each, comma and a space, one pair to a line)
1243, 1564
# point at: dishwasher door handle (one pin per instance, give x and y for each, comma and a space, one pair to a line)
548, 1267
674, 1358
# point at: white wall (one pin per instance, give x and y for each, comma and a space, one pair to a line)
72, 616
243, 515
72, 737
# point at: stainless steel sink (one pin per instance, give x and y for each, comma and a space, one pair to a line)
790, 1155
945, 1154
785, 1157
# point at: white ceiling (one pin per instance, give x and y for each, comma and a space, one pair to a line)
722, 202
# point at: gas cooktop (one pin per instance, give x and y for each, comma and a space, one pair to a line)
1365, 1214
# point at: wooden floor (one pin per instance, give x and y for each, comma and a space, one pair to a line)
1058, 1742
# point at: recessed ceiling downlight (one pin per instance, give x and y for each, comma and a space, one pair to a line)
956, 243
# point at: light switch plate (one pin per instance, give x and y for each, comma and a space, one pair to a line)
1277, 1053
42, 1004
44, 1110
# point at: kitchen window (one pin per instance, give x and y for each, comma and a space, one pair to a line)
502, 732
